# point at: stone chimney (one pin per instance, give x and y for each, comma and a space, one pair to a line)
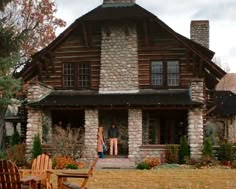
199, 31
118, 1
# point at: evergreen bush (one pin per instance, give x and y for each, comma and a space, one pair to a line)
226, 152
37, 146
207, 148
184, 150
143, 166
15, 139
71, 166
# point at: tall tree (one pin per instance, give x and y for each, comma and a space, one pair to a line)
37, 18
25, 27
9, 46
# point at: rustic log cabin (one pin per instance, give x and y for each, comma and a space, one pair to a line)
121, 64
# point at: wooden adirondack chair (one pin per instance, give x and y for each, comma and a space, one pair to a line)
42, 168
64, 184
10, 176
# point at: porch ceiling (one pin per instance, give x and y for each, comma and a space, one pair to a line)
147, 98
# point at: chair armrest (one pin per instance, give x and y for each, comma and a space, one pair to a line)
24, 172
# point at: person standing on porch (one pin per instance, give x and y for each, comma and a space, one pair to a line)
100, 142
113, 134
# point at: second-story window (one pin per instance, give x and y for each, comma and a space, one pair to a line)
68, 75
76, 75
84, 75
165, 73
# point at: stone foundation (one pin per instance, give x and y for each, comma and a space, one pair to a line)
195, 132
90, 138
135, 132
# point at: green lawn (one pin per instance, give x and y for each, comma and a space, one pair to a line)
166, 178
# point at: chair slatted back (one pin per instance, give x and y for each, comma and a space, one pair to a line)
41, 165
9, 175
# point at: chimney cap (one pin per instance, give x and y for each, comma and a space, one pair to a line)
119, 1
199, 22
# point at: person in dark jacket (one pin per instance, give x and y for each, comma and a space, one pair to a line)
113, 134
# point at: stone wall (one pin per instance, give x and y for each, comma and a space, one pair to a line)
118, 1
197, 90
135, 132
200, 32
119, 60
195, 132
151, 153
232, 130
37, 91
90, 138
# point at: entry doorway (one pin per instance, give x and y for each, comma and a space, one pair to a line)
120, 119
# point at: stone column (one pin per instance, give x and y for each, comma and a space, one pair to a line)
36, 91
232, 130
195, 132
135, 132
90, 138
197, 90
34, 127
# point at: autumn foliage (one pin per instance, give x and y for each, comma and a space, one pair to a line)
35, 18
62, 162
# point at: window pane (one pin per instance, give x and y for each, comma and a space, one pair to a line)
68, 75
173, 73
84, 75
157, 73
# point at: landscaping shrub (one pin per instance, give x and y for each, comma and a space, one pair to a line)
226, 152
3, 154
68, 141
62, 162
71, 166
152, 162
16, 154
143, 166
37, 147
15, 139
184, 150
171, 154
207, 148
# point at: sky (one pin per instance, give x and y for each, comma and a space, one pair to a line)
177, 14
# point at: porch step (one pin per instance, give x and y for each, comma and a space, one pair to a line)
115, 163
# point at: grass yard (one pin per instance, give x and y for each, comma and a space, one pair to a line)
165, 178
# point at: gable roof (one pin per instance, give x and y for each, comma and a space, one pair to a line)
227, 83
127, 12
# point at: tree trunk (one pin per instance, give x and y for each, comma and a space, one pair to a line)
2, 129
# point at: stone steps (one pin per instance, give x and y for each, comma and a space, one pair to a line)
115, 163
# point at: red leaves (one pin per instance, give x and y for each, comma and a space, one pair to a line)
38, 18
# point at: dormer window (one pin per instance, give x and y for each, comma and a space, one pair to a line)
76, 75
164, 73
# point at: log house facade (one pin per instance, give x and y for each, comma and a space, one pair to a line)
120, 63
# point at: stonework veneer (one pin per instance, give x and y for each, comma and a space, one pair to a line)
119, 60
135, 132
195, 132
90, 138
